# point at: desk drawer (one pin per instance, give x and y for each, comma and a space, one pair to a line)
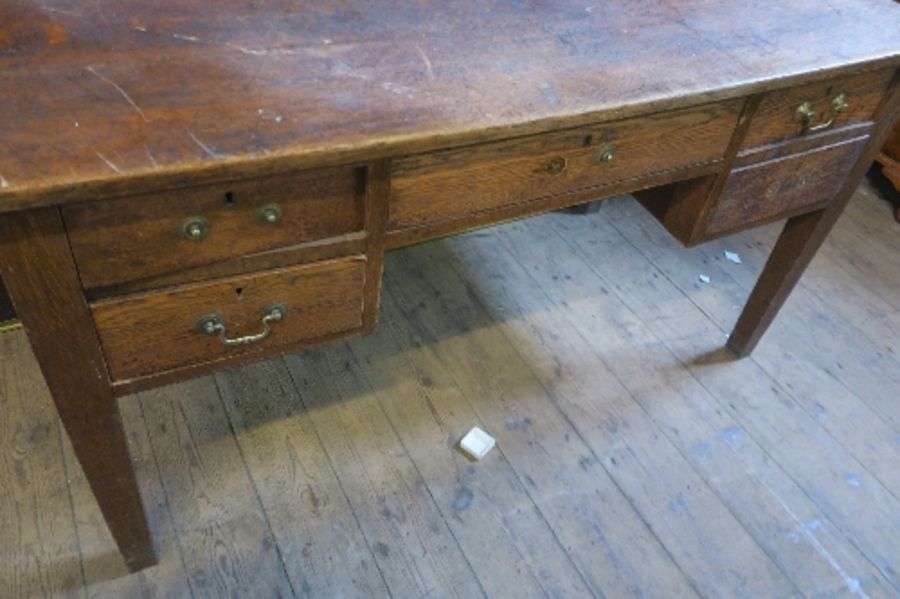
159, 331
454, 184
783, 186
140, 237
777, 118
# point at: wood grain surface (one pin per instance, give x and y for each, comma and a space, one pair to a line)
453, 184
142, 96
783, 187
157, 331
142, 237
776, 118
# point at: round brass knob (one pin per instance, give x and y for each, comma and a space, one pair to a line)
605, 155
269, 214
195, 228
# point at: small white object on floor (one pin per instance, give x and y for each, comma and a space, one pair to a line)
477, 443
733, 257
704, 278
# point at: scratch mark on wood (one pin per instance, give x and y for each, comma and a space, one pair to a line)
263, 51
205, 148
108, 162
121, 91
150, 156
427, 61
853, 583
3, 183
269, 115
60, 11
189, 38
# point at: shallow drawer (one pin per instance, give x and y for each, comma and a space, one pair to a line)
144, 236
834, 102
193, 324
784, 186
453, 184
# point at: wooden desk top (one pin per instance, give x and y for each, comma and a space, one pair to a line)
108, 97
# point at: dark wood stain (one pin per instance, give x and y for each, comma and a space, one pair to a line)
377, 125
169, 93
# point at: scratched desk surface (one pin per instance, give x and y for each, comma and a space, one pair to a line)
98, 97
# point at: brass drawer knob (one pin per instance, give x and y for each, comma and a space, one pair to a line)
214, 325
606, 154
269, 214
807, 115
195, 228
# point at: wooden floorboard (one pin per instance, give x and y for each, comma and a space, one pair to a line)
634, 456
316, 530
683, 411
802, 354
104, 570
39, 554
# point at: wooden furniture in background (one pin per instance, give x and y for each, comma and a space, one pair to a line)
889, 159
185, 186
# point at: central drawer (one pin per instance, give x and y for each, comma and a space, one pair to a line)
141, 237
454, 184
262, 313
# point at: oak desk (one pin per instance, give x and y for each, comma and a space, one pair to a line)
189, 185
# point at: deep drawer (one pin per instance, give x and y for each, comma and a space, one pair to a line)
453, 184
189, 325
783, 187
139, 237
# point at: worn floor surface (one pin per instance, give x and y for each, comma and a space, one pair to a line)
634, 456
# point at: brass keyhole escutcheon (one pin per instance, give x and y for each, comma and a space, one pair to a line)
557, 166
606, 154
195, 228
269, 214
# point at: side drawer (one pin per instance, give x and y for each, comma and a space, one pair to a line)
139, 237
777, 119
458, 183
783, 186
188, 325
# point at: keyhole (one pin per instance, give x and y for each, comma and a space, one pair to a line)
587, 141
239, 292
229, 198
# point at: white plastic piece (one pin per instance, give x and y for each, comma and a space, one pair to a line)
704, 278
477, 443
733, 257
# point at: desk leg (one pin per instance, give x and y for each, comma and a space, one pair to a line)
795, 248
39, 273
800, 240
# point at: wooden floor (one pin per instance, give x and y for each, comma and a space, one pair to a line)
634, 457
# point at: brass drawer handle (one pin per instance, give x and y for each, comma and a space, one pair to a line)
807, 116
213, 325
